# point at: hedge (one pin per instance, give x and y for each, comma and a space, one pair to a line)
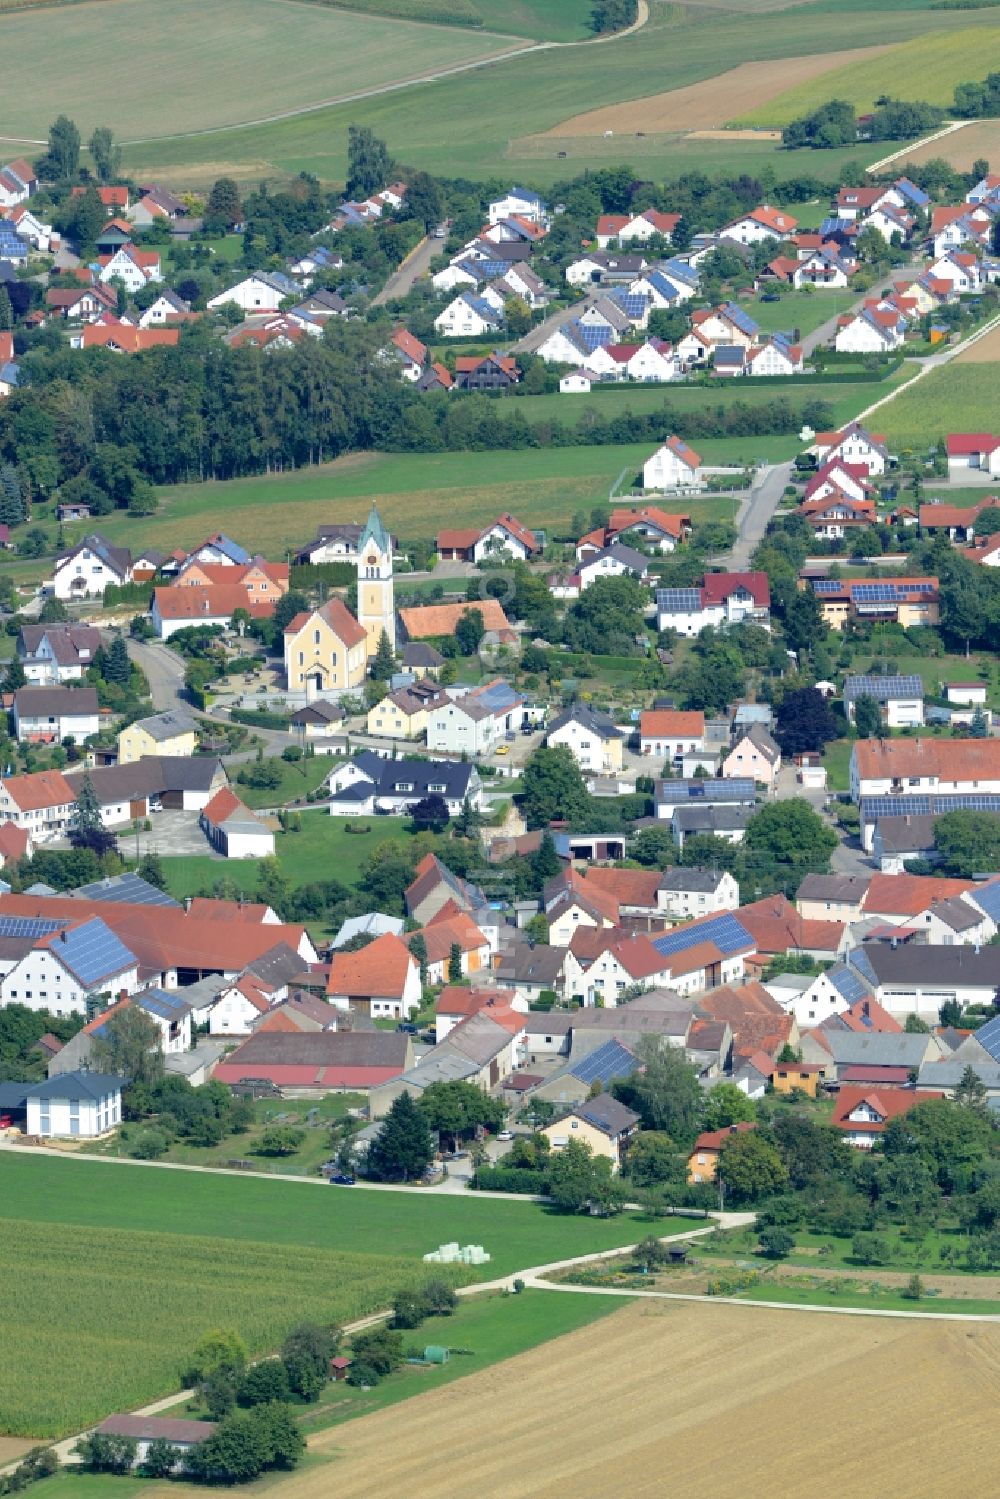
516, 1179
306, 575
258, 718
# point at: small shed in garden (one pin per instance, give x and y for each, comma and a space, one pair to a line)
435, 1353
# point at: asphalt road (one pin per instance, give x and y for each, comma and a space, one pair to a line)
416, 264
755, 512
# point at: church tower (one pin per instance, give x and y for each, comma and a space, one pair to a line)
376, 611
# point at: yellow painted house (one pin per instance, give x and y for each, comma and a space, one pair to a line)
325, 651
603, 1123
163, 734
403, 714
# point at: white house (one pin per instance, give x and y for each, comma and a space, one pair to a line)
669, 734
133, 268
41, 803
48, 715
577, 383
901, 699
591, 736
686, 893
89, 568
723, 599
261, 291
518, 203
761, 224
165, 309
873, 330
853, 445
475, 722
615, 561
67, 970
468, 317
675, 465
238, 1007
809, 1000
776, 357
653, 360
973, 450
74, 1104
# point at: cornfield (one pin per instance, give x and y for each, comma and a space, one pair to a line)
101, 1320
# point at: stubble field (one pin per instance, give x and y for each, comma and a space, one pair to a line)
716, 1401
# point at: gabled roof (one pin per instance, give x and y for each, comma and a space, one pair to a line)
336, 614
379, 970
887, 1103
667, 723
592, 719
716, 1139
606, 1114
430, 620
948, 759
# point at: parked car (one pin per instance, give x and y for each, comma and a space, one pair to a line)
407, 1027
340, 1180
505, 1134
503, 749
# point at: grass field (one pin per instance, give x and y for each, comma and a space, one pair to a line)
323, 850
961, 397
82, 1359
296, 780
926, 68
215, 65
542, 20
414, 491
714, 1393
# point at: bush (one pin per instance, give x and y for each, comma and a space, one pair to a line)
507, 1179
914, 1289
362, 1376
149, 1145
776, 1243
279, 1139
870, 1249
263, 1382
292, 753
380, 1347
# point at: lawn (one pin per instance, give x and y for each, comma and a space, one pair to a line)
957, 398
903, 1255
837, 759
415, 491
141, 1300
216, 65
926, 67
326, 848
803, 310
297, 779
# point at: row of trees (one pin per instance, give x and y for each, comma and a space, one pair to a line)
836, 123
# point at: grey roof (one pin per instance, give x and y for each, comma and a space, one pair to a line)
705, 791
987, 898
374, 925
906, 835
751, 713
606, 1114
323, 1049
532, 965
554, 1022
62, 702
956, 913
150, 776
627, 556
696, 880
421, 656
279, 965
13, 1096
834, 887
591, 719
762, 740
387, 775
948, 1073
167, 725
877, 1048
94, 1085
883, 689
318, 712
711, 819
918, 964
65, 642
128, 889
479, 1038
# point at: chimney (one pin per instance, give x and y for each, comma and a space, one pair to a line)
62, 935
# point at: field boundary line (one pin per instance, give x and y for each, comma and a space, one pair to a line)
930, 365
949, 129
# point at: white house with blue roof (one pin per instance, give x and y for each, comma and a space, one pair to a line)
72, 1105
468, 316
66, 968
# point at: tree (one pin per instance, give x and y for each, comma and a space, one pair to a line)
105, 153
61, 162
867, 717
804, 622
306, 1354
423, 202
279, 1140
979, 728
545, 862
665, 1092
430, 813
221, 1352
460, 1109
651, 1253
14, 677
384, 663
455, 963
223, 208
579, 1181
380, 1349
88, 218
916, 1026
129, 1046
469, 631
117, 667
287, 607
150, 869
725, 1105
791, 833
11, 493
53, 611
263, 1383
107, 1454
6, 311
776, 1243
402, 1148
162, 1458
612, 15
968, 842
653, 1159
246, 1443
971, 1093
418, 947
805, 721
369, 165
750, 1167
552, 787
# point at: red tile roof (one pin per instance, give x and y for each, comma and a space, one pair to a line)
667, 723
948, 759
13, 841
39, 789
628, 887
127, 339
889, 1102
429, 620
210, 601
672, 525
379, 970
909, 894
718, 586
337, 615
716, 1139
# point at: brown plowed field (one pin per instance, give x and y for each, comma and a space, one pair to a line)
709, 104
977, 141
985, 351
720, 1402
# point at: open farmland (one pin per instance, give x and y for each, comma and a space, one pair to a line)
414, 491
960, 397
140, 1302
975, 141
216, 65
926, 68
713, 1393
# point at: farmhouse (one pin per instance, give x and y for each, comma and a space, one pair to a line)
189, 603
326, 1061
64, 965
429, 621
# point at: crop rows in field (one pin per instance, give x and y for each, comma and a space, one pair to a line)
961, 397
112, 1314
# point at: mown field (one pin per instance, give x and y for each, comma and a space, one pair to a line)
219, 64
484, 122
960, 397
925, 67
415, 492
112, 1313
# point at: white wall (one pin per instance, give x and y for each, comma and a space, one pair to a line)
87, 1117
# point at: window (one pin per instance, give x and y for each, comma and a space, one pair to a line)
316, 637
44, 1118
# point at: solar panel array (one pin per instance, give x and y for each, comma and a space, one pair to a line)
858, 959
678, 600
987, 898
891, 593
924, 804
988, 1035
167, 1006
824, 586
29, 926
728, 934
594, 335
733, 789
882, 689
606, 1062
126, 889
93, 952
847, 983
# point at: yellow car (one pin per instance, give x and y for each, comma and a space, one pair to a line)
503, 749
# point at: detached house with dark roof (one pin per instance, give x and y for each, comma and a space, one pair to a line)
88, 569
591, 737
602, 1123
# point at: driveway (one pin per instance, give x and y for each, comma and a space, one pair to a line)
755, 513
416, 264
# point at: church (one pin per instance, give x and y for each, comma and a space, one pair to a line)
327, 651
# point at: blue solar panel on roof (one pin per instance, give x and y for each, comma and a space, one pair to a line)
728, 934
827, 585
607, 1061
93, 952
987, 898
859, 960
988, 1036
29, 926
678, 600
847, 984
926, 804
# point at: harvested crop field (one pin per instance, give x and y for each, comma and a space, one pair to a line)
715, 1394
709, 104
985, 350
977, 140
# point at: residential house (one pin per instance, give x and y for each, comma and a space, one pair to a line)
89, 567
789, 1078
171, 733
674, 465
703, 1162
132, 267
235, 831
367, 782
519, 203
41, 803
754, 754
832, 897
654, 528
892, 778
261, 291
468, 316
853, 445
686, 892
73, 1105
532, 970
167, 308
325, 651
15, 844
727, 823
669, 734
872, 330
776, 356
402, 714
900, 699
722, 599
64, 965
602, 1123
571, 902
180, 1435
603, 965
862, 1114
763, 223
897, 841
909, 602
702, 793
180, 607
486, 372
475, 722
123, 338
381, 980
504, 537
591, 736
48, 715
452, 935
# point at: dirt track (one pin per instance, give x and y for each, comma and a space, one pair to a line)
730, 1400
709, 104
